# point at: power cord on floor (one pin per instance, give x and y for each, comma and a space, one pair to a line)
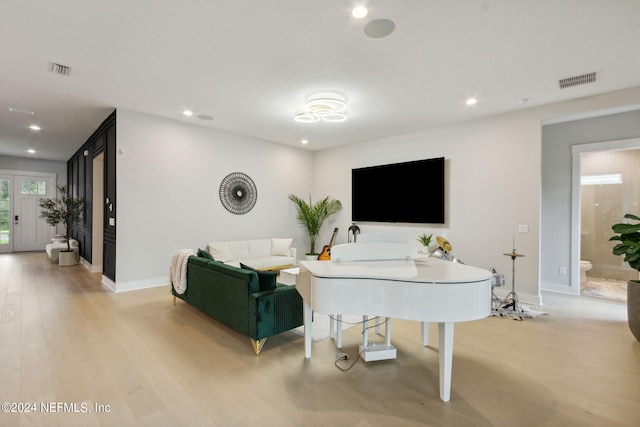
344, 356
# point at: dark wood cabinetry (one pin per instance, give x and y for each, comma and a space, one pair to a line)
80, 178
80, 181
109, 251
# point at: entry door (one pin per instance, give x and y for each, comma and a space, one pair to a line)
6, 223
31, 233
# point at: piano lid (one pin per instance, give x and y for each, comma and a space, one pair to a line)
431, 270
391, 269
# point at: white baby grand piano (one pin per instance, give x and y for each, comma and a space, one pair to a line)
381, 278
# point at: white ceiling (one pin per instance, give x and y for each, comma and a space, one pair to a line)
251, 64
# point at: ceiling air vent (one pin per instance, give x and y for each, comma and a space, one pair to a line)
60, 69
577, 80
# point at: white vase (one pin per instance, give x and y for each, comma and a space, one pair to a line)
67, 258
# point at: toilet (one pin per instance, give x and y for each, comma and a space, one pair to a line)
584, 267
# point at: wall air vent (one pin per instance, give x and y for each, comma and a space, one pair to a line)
60, 69
577, 80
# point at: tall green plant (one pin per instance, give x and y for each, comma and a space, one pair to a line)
312, 215
64, 209
629, 238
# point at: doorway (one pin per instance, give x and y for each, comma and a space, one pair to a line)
21, 228
606, 187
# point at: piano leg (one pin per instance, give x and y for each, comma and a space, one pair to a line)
387, 331
331, 331
445, 353
365, 331
339, 331
424, 329
308, 319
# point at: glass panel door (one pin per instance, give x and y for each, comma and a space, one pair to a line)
6, 228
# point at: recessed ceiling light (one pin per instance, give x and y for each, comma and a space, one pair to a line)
31, 151
304, 141
359, 12
471, 101
34, 127
188, 113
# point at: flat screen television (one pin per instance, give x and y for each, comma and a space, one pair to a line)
410, 192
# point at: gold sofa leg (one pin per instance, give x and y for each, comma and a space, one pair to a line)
257, 345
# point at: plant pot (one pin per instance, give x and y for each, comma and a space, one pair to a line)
633, 307
67, 258
311, 257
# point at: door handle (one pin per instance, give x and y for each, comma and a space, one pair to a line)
16, 219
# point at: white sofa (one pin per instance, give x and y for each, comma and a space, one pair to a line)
262, 254
53, 249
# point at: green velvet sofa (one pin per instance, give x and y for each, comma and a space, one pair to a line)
234, 297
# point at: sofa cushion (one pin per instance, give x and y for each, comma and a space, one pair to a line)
220, 251
281, 247
258, 248
267, 279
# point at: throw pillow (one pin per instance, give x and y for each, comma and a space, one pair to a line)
280, 247
266, 279
204, 254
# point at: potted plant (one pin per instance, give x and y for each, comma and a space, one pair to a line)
629, 246
312, 215
425, 240
65, 210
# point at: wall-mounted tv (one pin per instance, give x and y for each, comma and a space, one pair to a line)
411, 192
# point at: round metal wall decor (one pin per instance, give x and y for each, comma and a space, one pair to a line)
238, 193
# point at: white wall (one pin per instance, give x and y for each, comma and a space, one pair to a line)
492, 186
493, 169
168, 177
169, 173
36, 165
557, 140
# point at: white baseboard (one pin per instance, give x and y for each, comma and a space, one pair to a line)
503, 291
557, 287
92, 268
109, 283
134, 285
141, 284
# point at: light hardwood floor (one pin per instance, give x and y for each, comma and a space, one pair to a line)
66, 338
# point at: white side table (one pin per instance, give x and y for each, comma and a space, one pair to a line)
288, 276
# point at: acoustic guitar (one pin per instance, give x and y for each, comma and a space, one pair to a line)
325, 255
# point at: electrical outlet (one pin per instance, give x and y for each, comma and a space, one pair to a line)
523, 228
562, 271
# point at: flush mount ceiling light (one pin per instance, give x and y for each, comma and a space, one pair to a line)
329, 106
471, 101
34, 127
